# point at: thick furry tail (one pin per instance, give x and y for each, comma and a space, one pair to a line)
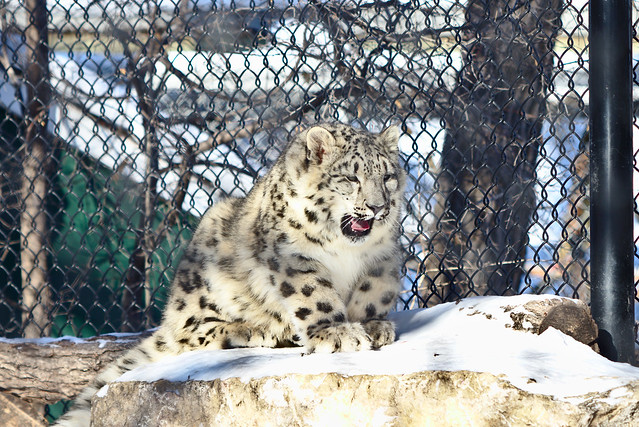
80, 413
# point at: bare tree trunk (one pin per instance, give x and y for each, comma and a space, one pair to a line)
138, 295
490, 153
35, 184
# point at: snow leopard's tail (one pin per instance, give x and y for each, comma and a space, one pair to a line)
80, 413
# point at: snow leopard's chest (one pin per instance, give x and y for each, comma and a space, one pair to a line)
345, 266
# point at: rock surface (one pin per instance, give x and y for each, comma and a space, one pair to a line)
425, 398
485, 361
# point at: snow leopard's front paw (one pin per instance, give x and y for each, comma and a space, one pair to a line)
338, 338
227, 335
381, 332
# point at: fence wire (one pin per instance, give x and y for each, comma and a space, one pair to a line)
121, 122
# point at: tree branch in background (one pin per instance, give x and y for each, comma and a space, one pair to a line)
34, 229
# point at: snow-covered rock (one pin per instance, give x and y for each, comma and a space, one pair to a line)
477, 362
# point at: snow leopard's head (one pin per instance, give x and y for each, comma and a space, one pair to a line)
361, 178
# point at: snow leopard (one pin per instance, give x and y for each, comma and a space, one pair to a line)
310, 257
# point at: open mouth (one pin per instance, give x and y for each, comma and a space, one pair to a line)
356, 227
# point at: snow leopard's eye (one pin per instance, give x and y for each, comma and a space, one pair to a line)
352, 178
389, 176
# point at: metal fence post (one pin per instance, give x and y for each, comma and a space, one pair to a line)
611, 219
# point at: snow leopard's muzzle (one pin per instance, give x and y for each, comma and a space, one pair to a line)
356, 227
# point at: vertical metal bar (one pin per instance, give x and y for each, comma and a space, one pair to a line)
611, 209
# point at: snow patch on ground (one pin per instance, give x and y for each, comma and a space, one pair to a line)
103, 391
475, 335
120, 337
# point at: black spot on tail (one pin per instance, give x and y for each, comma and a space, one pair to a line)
128, 362
143, 352
160, 344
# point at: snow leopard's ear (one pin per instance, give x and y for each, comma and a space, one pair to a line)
319, 144
390, 138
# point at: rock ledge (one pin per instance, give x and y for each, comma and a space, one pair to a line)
424, 398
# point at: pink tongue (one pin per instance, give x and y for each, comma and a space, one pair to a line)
360, 224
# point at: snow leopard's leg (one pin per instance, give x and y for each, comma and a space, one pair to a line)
372, 299
214, 333
319, 314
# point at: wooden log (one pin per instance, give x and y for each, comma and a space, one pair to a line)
48, 370
15, 412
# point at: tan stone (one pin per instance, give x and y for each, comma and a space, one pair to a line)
432, 398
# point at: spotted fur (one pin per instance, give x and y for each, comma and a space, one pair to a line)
310, 256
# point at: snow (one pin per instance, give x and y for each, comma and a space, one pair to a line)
475, 335
103, 391
53, 342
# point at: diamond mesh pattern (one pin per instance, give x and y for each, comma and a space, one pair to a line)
157, 110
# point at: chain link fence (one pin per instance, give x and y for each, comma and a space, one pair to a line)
121, 122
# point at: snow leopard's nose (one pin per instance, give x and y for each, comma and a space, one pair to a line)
375, 208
